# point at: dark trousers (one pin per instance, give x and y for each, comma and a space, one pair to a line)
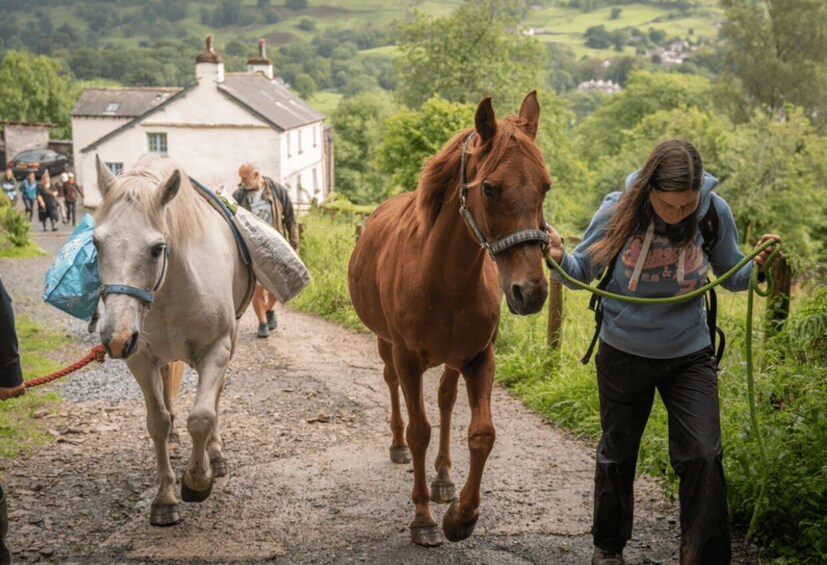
10, 373
70, 211
28, 204
688, 387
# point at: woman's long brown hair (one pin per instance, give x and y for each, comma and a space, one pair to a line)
673, 165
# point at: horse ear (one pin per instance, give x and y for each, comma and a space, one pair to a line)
169, 188
106, 180
530, 113
484, 120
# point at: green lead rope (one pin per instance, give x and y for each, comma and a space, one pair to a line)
754, 289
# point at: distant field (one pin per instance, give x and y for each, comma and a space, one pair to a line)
562, 25
325, 102
568, 26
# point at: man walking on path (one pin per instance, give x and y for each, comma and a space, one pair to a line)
69, 191
268, 200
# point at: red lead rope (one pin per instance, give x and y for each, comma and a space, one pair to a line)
98, 353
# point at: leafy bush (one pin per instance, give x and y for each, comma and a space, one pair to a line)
13, 226
326, 245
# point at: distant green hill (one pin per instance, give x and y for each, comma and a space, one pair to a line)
139, 23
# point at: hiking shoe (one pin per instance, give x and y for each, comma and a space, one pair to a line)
601, 557
272, 323
263, 331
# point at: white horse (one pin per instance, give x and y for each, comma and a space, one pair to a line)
173, 286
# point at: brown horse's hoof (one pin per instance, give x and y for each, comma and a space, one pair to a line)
164, 515
455, 530
442, 491
219, 465
426, 536
190, 495
400, 455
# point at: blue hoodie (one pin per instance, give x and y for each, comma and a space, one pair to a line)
660, 331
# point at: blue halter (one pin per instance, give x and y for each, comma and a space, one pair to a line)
139, 293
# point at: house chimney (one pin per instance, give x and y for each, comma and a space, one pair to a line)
209, 64
261, 63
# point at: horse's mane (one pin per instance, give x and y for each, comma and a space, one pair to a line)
138, 186
441, 172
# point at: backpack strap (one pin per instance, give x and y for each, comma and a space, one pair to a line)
709, 227
709, 233
595, 305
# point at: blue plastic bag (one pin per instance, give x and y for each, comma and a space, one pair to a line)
72, 280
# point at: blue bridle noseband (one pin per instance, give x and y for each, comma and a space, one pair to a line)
500, 245
139, 293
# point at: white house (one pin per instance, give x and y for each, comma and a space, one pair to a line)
210, 127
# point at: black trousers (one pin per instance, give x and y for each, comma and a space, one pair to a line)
10, 373
688, 386
70, 211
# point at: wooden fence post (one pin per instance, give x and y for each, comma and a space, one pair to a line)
778, 303
359, 230
555, 313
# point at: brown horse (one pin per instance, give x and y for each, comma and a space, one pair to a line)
430, 286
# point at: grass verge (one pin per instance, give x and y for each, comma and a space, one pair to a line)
18, 428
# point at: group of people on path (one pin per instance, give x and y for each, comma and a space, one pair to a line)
56, 202
650, 235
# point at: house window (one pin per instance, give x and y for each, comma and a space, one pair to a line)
315, 141
116, 168
299, 135
289, 151
315, 179
112, 107
157, 143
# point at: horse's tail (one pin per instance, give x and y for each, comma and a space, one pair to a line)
172, 373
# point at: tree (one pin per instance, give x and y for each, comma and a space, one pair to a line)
37, 88
477, 51
305, 85
602, 133
778, 181
777, 49
412, 136
598, 38
359, 126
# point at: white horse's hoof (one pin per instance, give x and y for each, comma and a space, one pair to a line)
190, 495
164, 515
219, 465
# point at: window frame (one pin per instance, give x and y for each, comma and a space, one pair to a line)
163, 142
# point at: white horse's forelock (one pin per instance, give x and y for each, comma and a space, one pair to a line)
139, 186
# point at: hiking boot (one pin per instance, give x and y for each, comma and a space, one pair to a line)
272, 323
263, 331
601, 557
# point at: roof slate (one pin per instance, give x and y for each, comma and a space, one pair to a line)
270, 99
132, 102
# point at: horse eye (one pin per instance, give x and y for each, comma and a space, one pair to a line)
487, 188
157, 250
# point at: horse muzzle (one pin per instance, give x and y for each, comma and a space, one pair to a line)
526, 297
120, 345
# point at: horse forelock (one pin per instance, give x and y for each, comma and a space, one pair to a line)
441, 169
139, 188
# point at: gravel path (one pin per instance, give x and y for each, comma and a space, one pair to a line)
304, 419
